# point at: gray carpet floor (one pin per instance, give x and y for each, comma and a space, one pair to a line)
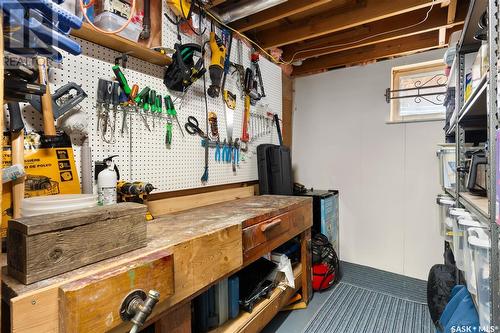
353, 309
393, 284
367, 300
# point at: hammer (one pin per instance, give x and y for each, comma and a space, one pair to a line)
49, 129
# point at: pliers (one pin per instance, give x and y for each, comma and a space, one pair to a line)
226, 152
217, 151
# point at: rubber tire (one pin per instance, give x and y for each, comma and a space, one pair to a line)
440, 282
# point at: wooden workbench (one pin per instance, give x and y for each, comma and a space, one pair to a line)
205, 244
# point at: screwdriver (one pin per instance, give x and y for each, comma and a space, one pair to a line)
122, 80
169, 105
168, 135
159, 104
145, 91
152, 100
133, 92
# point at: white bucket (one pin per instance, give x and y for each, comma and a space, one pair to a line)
56, 203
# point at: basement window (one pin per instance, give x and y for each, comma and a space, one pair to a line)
417, 92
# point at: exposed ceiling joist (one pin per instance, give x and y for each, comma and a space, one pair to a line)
442, 36
452, 11
321, 46
398, 47
323, 24
291, 7
216, 3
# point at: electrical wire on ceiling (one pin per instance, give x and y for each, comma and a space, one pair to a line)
289, 62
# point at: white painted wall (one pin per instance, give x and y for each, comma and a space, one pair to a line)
386, 173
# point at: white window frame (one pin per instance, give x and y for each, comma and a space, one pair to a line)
417, 68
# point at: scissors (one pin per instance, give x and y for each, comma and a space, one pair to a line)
192, 127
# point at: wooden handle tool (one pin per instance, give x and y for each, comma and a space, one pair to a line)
49, 128
17, 139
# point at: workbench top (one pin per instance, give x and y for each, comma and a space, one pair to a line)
172, 229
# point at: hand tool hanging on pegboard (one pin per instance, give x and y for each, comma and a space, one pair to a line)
20, 83
257, 91
49, 128
214, 126
204, 177
107, 100
239, 69
217, 61
245, 137
63, 99
17, 144
183, 71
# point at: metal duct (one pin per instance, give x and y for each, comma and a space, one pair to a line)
249, 8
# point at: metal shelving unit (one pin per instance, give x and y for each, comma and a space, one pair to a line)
480, 113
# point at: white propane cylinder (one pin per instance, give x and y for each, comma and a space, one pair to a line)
106, 184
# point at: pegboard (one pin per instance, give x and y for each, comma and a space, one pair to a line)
142, 154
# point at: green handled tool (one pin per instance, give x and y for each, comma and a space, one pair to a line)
168, 135
122, 80
140, 97
152, 100
159, 104
169, 105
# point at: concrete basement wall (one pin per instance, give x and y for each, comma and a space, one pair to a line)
386, 173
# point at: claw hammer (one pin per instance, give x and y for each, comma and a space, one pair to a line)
49, 129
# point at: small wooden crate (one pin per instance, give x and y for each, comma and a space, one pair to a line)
43, 246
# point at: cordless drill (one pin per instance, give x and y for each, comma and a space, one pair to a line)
216, 68
133, 192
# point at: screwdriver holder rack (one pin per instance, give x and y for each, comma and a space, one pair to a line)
142, 154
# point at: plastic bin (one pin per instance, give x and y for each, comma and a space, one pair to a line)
57, 203
479, 241
457, 213
460, 226
444, 202
447, 165
451, 215
110, 21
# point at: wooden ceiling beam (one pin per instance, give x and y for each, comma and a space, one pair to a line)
323, 24
291, 7
391, 48
452, 11
215, 3
321, 46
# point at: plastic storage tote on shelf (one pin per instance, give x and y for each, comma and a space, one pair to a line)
451, 216
457, 213
447, 165
470, 274
110, 22
479, 242
460, 227
445, 202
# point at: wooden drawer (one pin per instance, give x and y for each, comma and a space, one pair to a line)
265, 236
92, 304
265, 231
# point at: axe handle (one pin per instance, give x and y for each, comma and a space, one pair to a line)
18, 184
49, 128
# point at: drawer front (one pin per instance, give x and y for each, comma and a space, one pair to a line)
92, 304
265, 231
264, 237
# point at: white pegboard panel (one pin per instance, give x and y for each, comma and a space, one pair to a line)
142, 154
